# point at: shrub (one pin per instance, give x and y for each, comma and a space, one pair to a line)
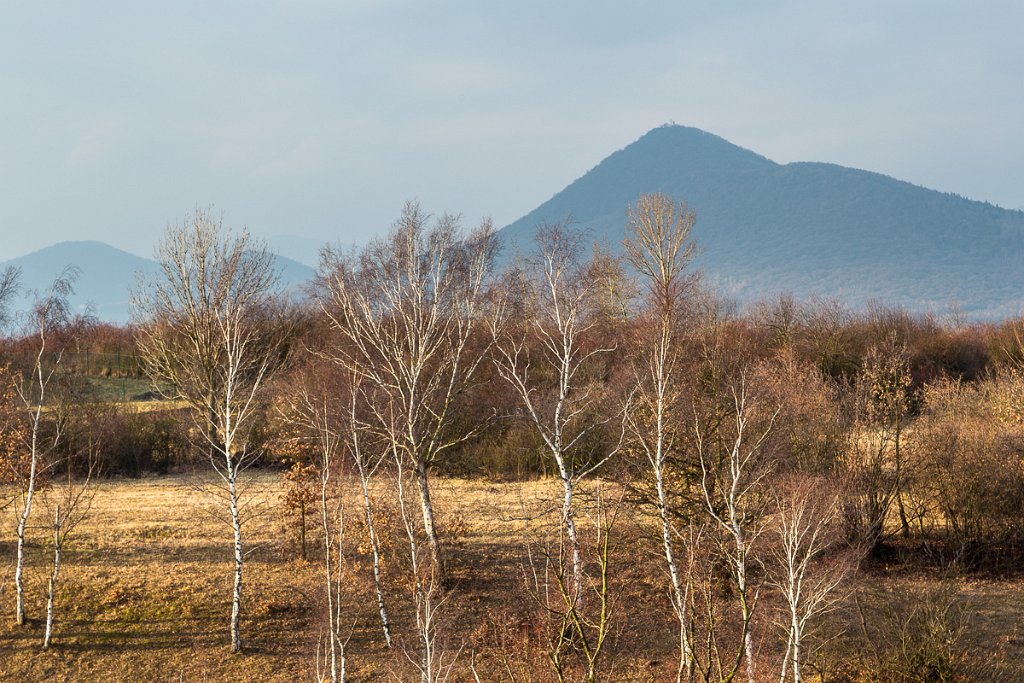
918, 635
135, 443
972, 449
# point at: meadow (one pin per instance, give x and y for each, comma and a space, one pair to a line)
146, 592
566, 471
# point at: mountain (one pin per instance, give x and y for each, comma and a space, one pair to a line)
294, 275
107, 275
297, 248
806, 229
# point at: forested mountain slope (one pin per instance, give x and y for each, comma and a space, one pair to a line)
804, 228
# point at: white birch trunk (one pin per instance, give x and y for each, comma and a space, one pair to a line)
332, 622
385, 622
236, 596
429, 523
797, 635
569, 520
33, 475
19, 571
741, 587
51, 590
678, 592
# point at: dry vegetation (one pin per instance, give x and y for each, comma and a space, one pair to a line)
559, 473
146, 596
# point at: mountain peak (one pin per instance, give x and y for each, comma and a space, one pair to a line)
670, 158
77, 247
680, 136
672, 149
809, 229
108, 274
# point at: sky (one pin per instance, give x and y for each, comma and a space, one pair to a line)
319, 119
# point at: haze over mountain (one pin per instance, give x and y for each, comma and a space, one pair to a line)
804, 228
107, 275
301, 249
762, 229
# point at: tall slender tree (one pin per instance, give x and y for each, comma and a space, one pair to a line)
658, 247
733, 471
49, 314
555, 342
406, 310
68, 502
212, 331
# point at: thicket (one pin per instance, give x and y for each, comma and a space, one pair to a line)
763, 457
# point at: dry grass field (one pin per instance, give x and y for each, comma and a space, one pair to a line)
145, 595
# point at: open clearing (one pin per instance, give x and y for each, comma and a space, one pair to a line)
145, 593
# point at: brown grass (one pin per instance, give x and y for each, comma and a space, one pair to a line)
145, 594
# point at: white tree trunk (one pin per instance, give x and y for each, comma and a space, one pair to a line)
429, 523
741, 585
797, 635
678, 592
385, 622
19, 571
51, 590
332, 621
236, 598
569, 519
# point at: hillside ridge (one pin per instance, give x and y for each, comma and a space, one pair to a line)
807, 228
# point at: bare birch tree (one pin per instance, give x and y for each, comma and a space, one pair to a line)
367, 461
803, 531
407, 310
332, 519
556, 342
430, 659
215, 329
69, 502
314, 407
579, 637
732, 470
327, 408
658, 248
49, 313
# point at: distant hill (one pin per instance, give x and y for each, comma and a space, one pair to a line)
297, 248
107, 275
804, 228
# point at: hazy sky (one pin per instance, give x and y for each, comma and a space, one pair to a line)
320, 118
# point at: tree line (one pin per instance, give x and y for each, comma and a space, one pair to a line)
769, 455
